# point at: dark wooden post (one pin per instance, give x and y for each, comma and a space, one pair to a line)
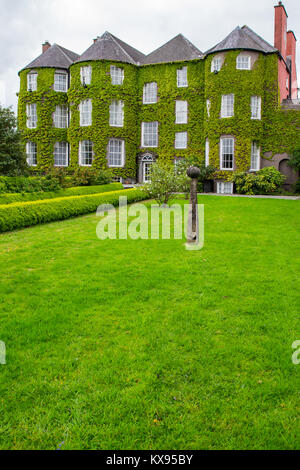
193, 172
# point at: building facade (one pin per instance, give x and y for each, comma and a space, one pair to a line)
234, 106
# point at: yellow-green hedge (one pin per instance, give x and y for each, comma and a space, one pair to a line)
19, 215
9, 198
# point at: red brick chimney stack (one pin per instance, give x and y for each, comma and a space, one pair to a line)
46, 46
291, 53
280, 31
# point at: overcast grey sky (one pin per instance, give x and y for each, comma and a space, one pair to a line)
144, 24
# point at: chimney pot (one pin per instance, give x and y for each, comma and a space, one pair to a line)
45, 46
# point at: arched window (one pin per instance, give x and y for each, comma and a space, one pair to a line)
147, 162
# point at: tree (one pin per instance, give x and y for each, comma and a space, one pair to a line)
12, 154
165, 182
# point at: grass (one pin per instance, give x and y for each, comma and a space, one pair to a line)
143, 345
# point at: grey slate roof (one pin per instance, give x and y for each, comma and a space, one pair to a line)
243, 38
56, 56
177, 49
109, 47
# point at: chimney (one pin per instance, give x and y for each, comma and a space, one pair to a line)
46, 46
280, 32
291, 53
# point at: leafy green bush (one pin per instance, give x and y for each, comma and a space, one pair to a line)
18, 215
266, 181
31, 184
90, 177
165, 181
10, 198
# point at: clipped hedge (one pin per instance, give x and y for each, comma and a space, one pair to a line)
19, 215
10, 198
28, 184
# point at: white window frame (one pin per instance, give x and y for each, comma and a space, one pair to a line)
61, 116
150, 93
60, 85
208, 106
255, 156
111, 151
181, 112
224, 187
206, 152
86, 110
116, 113
255, 107
147, 162
225, 141
86, 74
81, 152
32, 81
61, 153
31, 150
154, 133
116, 75
216, 64
242, 64
227, 106
182, 80
181, 139
31, 113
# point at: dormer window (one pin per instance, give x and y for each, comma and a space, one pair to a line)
117, 75
150, 93
243, 62
216, 64
86, 75
60, 81
182, 77
32, 81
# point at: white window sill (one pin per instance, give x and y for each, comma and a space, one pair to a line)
226, 169
116, 125
182, 86
150, 102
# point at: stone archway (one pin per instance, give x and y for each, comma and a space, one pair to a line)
289, 172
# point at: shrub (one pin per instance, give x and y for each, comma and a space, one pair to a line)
165, 181
18, 215
31, 184
266, 181
91, 177
10, 198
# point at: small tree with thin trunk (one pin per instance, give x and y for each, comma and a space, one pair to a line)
165, 182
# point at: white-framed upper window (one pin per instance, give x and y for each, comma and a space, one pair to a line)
180, 140
117, 75
86, 75
224, 187
60, 81
255, 157
85, 153
208, 106
31, 115
150, 134
226, 153
182, 80
31, 152
61, 154
227, 106
181, 108
255, 107
60, 116
116, 152
116, 113
216, 64
206, 152
32, 81
243, 62
150, 93
85, 109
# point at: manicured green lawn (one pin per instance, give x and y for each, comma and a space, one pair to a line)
144, 345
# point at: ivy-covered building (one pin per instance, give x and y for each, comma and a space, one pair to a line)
234, 106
